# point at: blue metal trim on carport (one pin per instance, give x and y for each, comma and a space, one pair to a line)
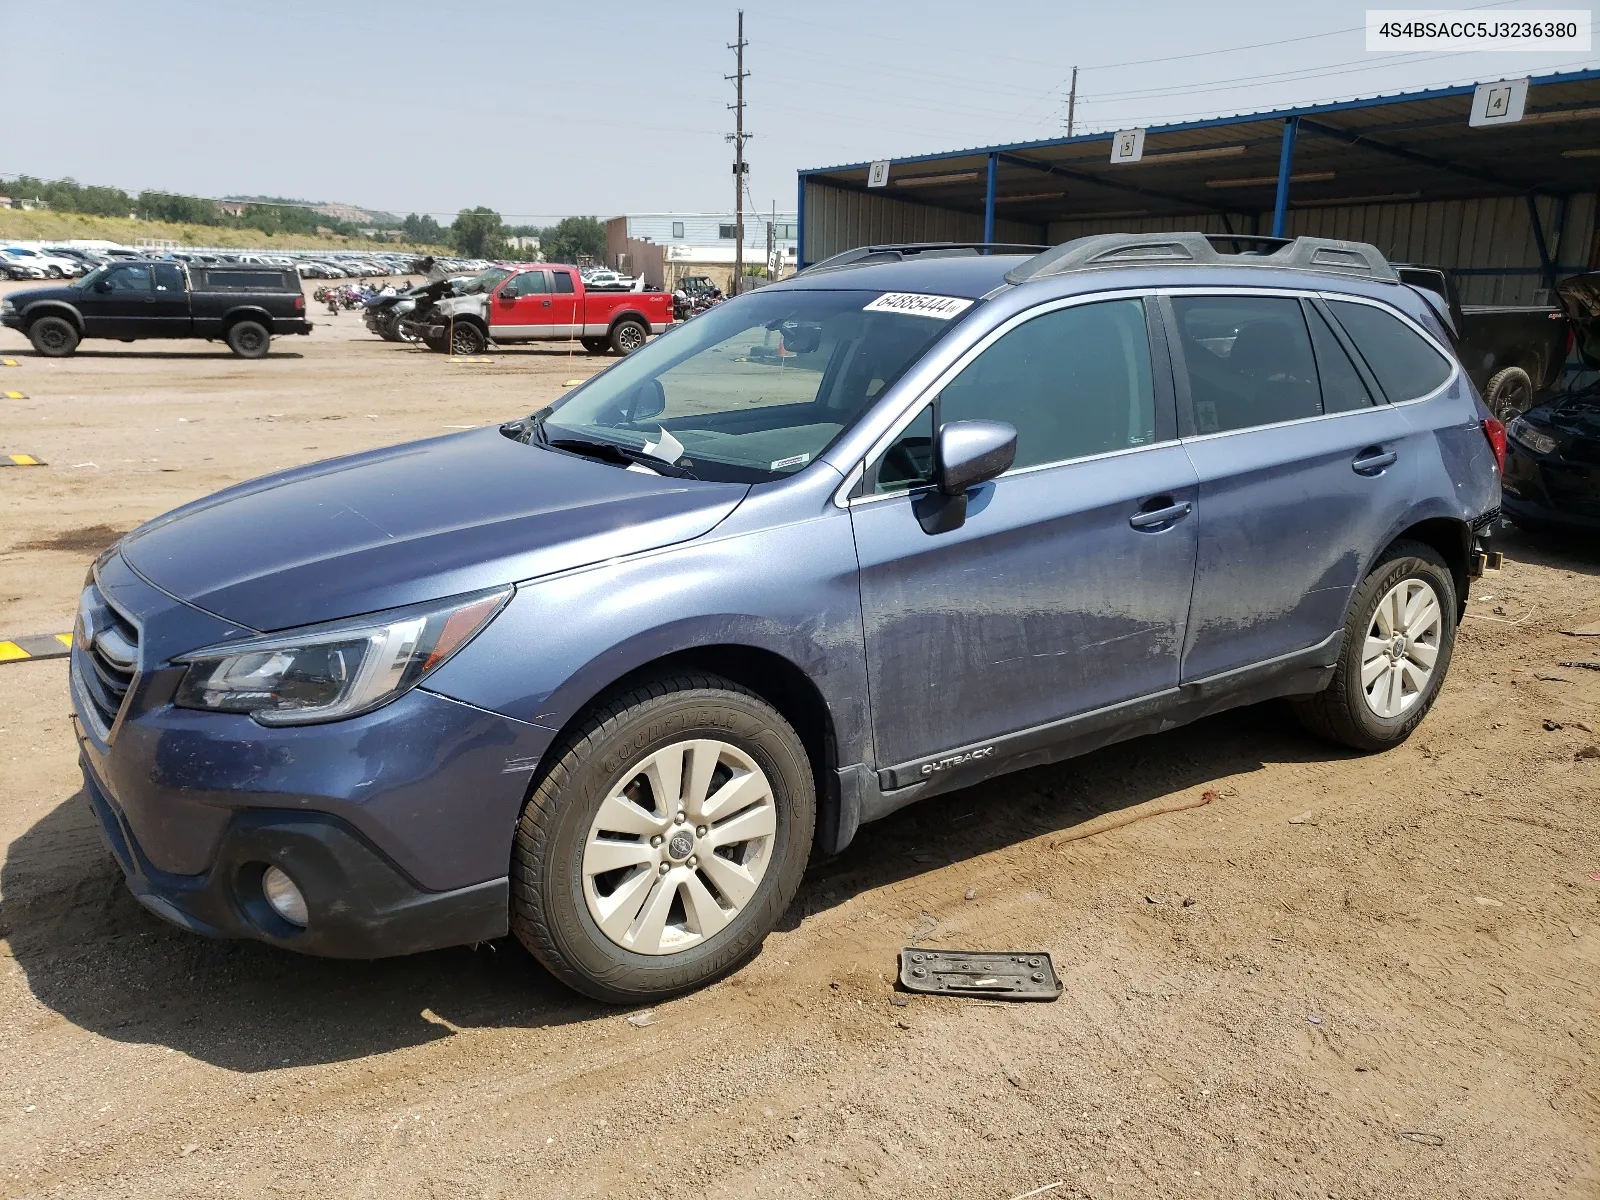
1280, 205
988, 198
1282, 114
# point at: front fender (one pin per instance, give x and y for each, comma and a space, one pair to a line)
789, 589
52, 308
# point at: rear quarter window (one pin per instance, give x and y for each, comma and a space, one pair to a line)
1405, 364
247, 281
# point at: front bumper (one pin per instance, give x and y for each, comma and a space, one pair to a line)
361, 905
1549, 490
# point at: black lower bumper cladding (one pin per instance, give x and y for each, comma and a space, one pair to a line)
361, 905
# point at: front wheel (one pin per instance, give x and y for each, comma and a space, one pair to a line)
665, 841
53, 337
628, 336
249, 339
1398, 640
467, 340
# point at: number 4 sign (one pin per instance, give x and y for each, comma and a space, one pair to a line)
1499, 103
1127, 146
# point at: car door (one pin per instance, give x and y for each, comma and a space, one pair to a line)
170, 314
1066, 590
523, 309
1303, 470
120, 304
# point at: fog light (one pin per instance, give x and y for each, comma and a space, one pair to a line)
284, 896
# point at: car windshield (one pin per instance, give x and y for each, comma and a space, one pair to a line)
754, 389
483, 282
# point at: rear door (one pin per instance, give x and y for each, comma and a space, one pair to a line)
569, 304
170, 314
1067, 588
1303, 468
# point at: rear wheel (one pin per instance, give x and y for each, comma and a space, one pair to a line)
596, 345
1398, 640
249, 339
1509, 393
665, 841
53, 337
628, 336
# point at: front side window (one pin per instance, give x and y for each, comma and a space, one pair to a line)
755, 389
128, 278
1073, 382
1248, 360
1406, 366
530, 283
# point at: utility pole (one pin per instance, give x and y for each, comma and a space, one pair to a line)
739, 166
1072, 100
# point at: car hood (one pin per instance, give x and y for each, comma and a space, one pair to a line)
1580, 300
1577, 413
412, 523
33, 295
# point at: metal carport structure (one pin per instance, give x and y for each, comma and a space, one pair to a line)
1507, 208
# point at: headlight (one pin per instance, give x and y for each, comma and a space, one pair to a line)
1539, 443
6, 306
328, 672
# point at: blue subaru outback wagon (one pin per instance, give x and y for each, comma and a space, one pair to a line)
608, 676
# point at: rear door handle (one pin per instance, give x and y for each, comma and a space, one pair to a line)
1169, 513
1372, 460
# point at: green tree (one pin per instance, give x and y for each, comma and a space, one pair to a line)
572, 238
478, 233
423, 230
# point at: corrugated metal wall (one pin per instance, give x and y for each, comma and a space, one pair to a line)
1474, 235
837, 220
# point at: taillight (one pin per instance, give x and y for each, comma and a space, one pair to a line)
299, 304
1496, 433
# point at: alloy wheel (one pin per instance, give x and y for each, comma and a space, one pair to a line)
679, 846
1401, 648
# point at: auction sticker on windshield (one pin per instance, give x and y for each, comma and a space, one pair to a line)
939, 307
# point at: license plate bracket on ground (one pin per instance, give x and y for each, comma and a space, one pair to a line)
993, 974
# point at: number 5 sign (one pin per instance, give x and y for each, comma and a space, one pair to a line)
1127, 146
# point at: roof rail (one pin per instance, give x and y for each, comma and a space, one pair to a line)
1148, 249
863, 256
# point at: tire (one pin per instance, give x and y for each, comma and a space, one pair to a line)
627, 336
1343, 712
596, 345
249, 339
466, 340
53, 337
52, 272
1509, 393
437, 345
389, 331
554, 902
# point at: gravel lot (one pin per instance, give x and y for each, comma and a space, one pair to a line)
1341, 976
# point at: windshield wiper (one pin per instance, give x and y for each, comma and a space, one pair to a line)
611, 452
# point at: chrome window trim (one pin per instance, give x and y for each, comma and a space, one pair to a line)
913, 407
1407, 320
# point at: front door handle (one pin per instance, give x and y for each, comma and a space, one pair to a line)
1373, 460
1163, 514
546, 304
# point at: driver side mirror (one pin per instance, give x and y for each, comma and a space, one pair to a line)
102, 285
965, 454
507, 298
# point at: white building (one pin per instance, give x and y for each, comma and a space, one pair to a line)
665, 247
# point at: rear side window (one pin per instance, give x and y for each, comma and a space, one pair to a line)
1248, 359
1342, 386
563, 281
1405, 365
246, 281
169, 277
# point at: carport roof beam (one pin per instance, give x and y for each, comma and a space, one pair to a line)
1018, 160
1423, 160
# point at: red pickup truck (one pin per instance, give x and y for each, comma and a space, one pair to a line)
535, 303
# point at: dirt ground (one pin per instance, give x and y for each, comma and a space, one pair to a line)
1343, 976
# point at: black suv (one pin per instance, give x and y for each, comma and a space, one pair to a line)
156, 298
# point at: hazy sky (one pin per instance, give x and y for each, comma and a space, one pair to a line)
544, 109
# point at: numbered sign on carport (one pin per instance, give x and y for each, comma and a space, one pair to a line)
1499, 103
1127, 146
878, 174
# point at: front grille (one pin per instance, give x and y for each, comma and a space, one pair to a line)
1573, 493
105, 657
